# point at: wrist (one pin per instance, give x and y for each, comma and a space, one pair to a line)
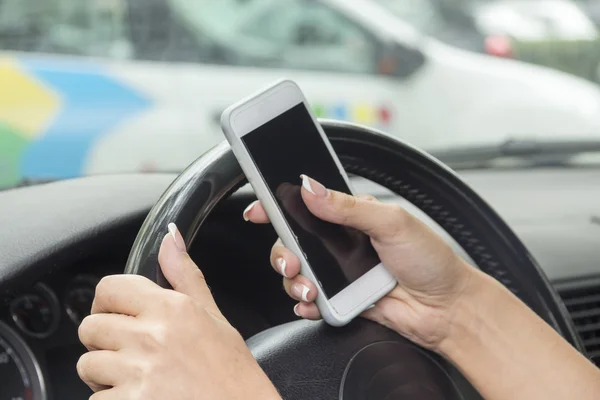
468, 313
494, 334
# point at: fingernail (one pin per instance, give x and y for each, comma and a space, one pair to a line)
247, 210
313, 186
296, 309
300, 291
177, 238
282, 264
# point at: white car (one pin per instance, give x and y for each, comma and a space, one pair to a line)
555, 33
128, 85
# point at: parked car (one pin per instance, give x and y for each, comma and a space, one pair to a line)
138, 85
554, 33
591, 9
450, 21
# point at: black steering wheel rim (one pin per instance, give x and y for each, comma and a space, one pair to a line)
409, 172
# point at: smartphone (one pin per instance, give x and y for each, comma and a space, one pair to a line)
276, 138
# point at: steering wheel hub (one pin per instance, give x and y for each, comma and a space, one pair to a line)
397, 370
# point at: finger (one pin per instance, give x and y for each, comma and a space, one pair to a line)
307, 311
103, 368
123, 294
389, 311
284, 261
375, 314
107, 331
256, 213
378, 220
300, 288
179, 269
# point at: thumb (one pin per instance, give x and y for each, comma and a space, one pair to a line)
378, 220
182, 273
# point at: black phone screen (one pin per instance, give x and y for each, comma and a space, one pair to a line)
283, 149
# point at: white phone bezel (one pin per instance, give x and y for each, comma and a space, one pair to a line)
253, 112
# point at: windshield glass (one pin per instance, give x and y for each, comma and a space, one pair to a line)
128, 86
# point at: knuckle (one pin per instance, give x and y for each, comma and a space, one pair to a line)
287, 285
398, 212
148, 372
368, 197
137, 371
155, 337
278, 245
160, 334
198, 276
276, 248
138, 392
105, 284
345, 202
144, 391
87, 327
156, 368
179, 308
180, 302
396, 223
344, 205
111, 281
276, 253
83, 366
399, 215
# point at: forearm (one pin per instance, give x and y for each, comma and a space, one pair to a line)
508, 352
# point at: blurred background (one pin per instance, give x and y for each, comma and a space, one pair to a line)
116, 86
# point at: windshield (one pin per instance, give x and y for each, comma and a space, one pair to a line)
128, 86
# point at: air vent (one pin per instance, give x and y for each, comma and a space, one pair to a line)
583, 303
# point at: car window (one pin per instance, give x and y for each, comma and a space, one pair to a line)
79, 27
158, 34
296, 34
312, 36
214, 26
424, 15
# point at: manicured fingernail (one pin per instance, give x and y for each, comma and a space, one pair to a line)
306, 183
247, 210
177, 238
282, 264
313, 186
296, 309
300, 291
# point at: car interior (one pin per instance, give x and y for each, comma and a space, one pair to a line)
59, 239
510, 180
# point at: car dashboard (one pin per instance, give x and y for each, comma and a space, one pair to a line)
46, 315
61, 238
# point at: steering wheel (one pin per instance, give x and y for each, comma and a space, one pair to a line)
311, 360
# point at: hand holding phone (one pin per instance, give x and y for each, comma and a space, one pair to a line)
276, 139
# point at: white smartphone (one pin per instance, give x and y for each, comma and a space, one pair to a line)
276, 138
